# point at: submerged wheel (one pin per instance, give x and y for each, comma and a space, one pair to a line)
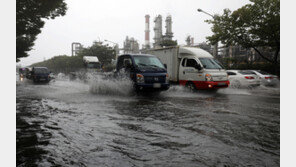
190, 86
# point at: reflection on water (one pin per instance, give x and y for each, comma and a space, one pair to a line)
88, 124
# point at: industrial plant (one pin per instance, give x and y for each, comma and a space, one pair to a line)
130, 45
159, 38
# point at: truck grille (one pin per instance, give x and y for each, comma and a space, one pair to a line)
150, 79
220, 78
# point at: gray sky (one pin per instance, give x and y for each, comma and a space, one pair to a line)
89, 20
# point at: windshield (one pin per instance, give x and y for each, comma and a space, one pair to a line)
92, 65
247, 72
41, 70
263, 72
210, 63
147, 61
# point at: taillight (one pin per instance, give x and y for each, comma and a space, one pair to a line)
268, 78
249, 77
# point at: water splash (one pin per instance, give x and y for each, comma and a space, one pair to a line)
109, 86
181, 91
234, 91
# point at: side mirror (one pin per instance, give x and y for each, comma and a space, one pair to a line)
128, 65
165, 66
198, 66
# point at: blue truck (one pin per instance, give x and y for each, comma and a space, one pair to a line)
146, 71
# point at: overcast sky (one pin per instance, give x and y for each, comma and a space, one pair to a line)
113, 20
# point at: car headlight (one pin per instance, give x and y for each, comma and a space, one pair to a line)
140, 78
167, 78
209, 77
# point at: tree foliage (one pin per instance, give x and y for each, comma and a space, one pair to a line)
30, 15
66, 64
62, 63
255, 25
105, 53
168, 43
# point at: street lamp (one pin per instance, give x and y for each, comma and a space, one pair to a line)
215, 52
110, 41
200, 10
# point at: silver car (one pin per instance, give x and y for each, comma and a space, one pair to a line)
267, 79
243, 78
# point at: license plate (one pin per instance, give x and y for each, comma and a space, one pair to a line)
156, 85
221, 83
42, 79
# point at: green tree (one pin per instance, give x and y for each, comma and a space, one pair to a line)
255, 25
30, 15
62, 63
168, 43
105, 53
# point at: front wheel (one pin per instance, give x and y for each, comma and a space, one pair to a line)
190, 86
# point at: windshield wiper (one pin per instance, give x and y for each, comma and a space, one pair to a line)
154, 65
142, 64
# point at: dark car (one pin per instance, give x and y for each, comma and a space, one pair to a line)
40, 74
146, 71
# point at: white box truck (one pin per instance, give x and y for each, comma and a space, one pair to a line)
92, 66
192, 67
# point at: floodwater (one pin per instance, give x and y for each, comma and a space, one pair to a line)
103, 123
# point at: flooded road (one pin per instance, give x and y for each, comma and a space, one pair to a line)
102, 123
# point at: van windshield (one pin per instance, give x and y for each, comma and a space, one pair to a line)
93, 65
210, 63
147, 61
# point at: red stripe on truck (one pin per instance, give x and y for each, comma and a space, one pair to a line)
207, 84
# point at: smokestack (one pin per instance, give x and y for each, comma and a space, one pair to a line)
168, 26
192, 41
147, 31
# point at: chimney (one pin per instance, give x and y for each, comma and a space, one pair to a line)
147, 31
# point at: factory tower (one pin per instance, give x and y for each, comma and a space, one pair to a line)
147, 32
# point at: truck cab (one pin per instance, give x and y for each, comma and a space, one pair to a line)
91, 63
146, 71
92, 66
199, 69
192, 67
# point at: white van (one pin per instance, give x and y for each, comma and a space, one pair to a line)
192, 67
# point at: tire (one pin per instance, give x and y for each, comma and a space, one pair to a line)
190, 86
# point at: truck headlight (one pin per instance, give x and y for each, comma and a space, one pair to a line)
140, 78
167, 78
209, 77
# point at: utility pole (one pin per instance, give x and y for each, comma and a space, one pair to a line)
215, 50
